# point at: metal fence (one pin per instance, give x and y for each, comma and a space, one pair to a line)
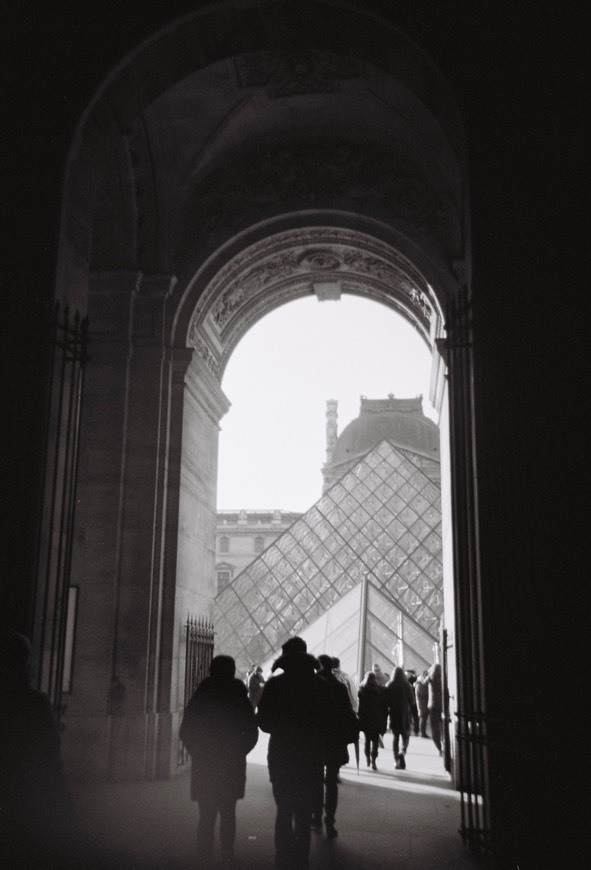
472, 750
69, 344
199, 641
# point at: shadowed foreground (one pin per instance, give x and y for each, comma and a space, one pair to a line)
407, 820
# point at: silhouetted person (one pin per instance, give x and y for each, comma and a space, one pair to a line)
219, 729
422, 696
35, 808
296, 709
344, 729
381, 677
400, 700
435, 702
256, 684
347, 680
373, 716
414, 713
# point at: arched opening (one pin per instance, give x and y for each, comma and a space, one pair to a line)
284, 446
273, 164
306, 264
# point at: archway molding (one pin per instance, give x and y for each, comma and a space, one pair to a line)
325, 261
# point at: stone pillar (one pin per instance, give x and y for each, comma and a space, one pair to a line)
472, 727
193, 550
112, 714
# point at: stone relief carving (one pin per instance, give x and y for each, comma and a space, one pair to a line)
197, 341
252, 282
293, 262
297, 72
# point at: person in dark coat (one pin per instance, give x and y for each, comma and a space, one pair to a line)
36, 827
256, 684
373, 716
400, 700
344, 729
435, 703
296, 709
219, 729
422, 696
412, 679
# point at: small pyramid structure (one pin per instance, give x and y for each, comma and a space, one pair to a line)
375, 536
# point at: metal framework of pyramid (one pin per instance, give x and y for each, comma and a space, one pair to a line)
378, 528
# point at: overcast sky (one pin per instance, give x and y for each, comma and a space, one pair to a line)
273, 439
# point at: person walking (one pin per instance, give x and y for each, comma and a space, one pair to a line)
414, 713
347, 680
422, 696
381, 677
435, 703
373, 716
400, 700
296, 709
219, 729
344, 729
256, 684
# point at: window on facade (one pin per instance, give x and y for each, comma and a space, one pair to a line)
224, 544
259, 544
223, 579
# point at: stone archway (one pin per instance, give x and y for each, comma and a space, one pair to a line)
255, 170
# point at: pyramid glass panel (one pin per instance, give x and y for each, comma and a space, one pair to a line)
359, 529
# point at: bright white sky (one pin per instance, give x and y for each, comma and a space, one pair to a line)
273, 439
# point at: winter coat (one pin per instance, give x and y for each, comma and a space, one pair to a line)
400, 700
256, 684
422, 695
219, 729
373, 709
433, 680
296, 709
348, 682
344, 726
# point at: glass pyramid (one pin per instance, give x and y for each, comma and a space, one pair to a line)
378, 528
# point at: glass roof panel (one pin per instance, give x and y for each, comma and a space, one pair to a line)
362, 522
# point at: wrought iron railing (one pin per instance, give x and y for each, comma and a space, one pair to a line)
472, 743
62, 440
199, 642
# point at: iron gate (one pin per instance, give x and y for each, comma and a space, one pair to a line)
199, 641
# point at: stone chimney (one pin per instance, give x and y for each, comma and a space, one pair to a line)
331, 428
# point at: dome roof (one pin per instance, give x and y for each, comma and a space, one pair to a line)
400, 421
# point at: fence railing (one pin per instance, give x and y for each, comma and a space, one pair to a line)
199, 642
69, 347
472, 749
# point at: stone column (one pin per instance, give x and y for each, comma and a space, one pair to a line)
191, 554
118, 552
472, 730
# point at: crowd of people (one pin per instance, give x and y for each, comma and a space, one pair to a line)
313, 712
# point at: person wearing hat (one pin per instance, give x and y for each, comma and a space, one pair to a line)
219, 729
296, 709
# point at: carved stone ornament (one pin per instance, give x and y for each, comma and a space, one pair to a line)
297, 72
199, 342
293, 264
